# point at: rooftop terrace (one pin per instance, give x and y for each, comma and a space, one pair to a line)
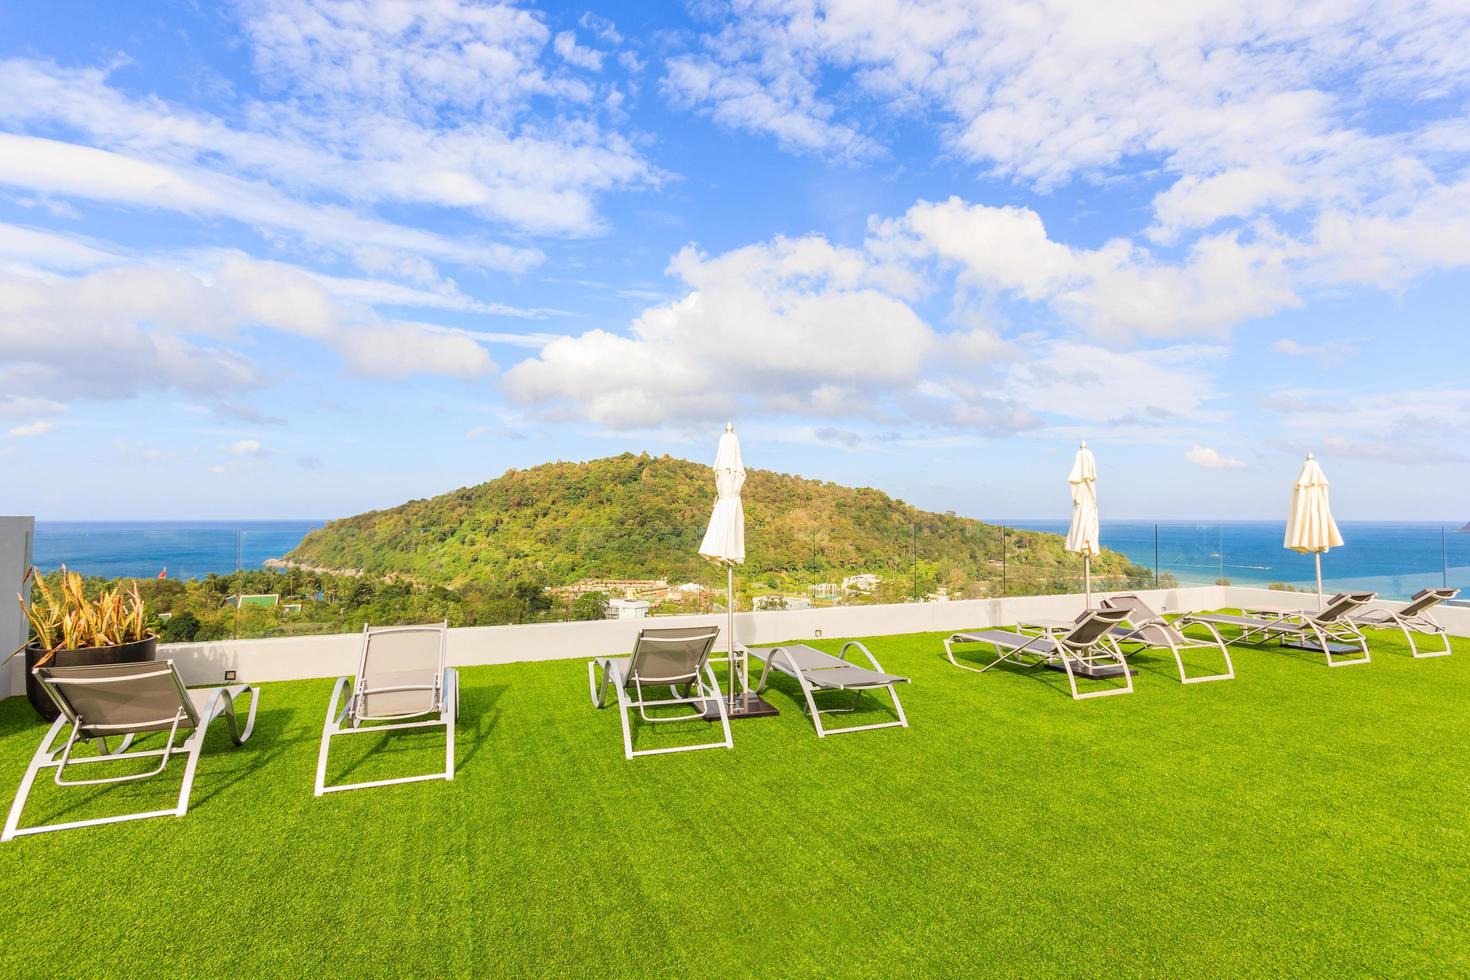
1298, 819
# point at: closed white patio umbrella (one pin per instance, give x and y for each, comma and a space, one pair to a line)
724, 544
1082, 533
1310, 528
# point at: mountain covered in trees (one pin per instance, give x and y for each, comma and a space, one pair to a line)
642, 517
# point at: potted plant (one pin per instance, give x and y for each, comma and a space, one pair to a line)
68, 630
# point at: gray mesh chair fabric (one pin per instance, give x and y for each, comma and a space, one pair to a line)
1084, 648
1330, 631
125, 701
1414, 619
817, 672
672, 657
1148, 629
403, 682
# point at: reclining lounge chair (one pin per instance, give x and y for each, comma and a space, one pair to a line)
126, 701
1330, 632
1084, 648
402, 683
1413, 618
676, 658
1147, 628
819, 673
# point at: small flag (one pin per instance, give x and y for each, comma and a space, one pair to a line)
164, 573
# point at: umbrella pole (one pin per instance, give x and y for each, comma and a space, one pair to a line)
1319, 581
1087, 578
730, 629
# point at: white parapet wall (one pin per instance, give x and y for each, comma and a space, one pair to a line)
332, 655
299, 658
16, 535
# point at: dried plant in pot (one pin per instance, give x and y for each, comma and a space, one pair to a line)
68, 629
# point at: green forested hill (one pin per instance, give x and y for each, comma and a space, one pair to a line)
643, 517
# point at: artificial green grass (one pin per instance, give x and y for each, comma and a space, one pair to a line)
1296, 820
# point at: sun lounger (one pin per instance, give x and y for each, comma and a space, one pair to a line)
1412, 619
1147, 628
402, 683
1330, 632
126, 701
676, 658
1084, 648
818, 673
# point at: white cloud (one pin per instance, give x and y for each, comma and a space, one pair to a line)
123, 330
1116, 291
449, 105
794, 326
1331, 351
245, 447
101, 175
32, 251
568, 50
1213, 459
1414, 426
31, 429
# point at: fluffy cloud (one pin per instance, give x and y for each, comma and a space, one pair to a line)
362, 102
32, 429
126, 329
1422, 427
793, 326
1212, 459
1115, 291
1261, 116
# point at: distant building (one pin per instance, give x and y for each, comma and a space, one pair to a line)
630, 588
627, 608
291, 607
254, 601
826, 590
866, 582
781, 602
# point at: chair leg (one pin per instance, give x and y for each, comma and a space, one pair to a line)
39, 760
329, 728
451, 710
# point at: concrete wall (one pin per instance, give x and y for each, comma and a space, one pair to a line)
16, 534
295, 658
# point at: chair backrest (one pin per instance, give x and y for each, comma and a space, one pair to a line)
115, 699
1093, 626
671, 655
401, 670
1139, 612
1427, 598
1142, 617
1340, 605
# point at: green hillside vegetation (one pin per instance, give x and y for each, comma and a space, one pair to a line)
636, 516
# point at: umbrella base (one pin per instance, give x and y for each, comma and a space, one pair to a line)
1095, 673
746, 705
1336, 649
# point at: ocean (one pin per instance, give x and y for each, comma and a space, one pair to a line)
1393, 559
143, 549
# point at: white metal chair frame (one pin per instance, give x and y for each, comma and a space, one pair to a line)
1158, 633
700, 689
1049, 643
784, 662
1259, 626
350, 719
187, 716
1420, 622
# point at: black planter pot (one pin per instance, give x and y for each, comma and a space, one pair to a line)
126, 653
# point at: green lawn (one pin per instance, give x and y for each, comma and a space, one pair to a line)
1296, 820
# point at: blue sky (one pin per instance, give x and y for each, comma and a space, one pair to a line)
295, 259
